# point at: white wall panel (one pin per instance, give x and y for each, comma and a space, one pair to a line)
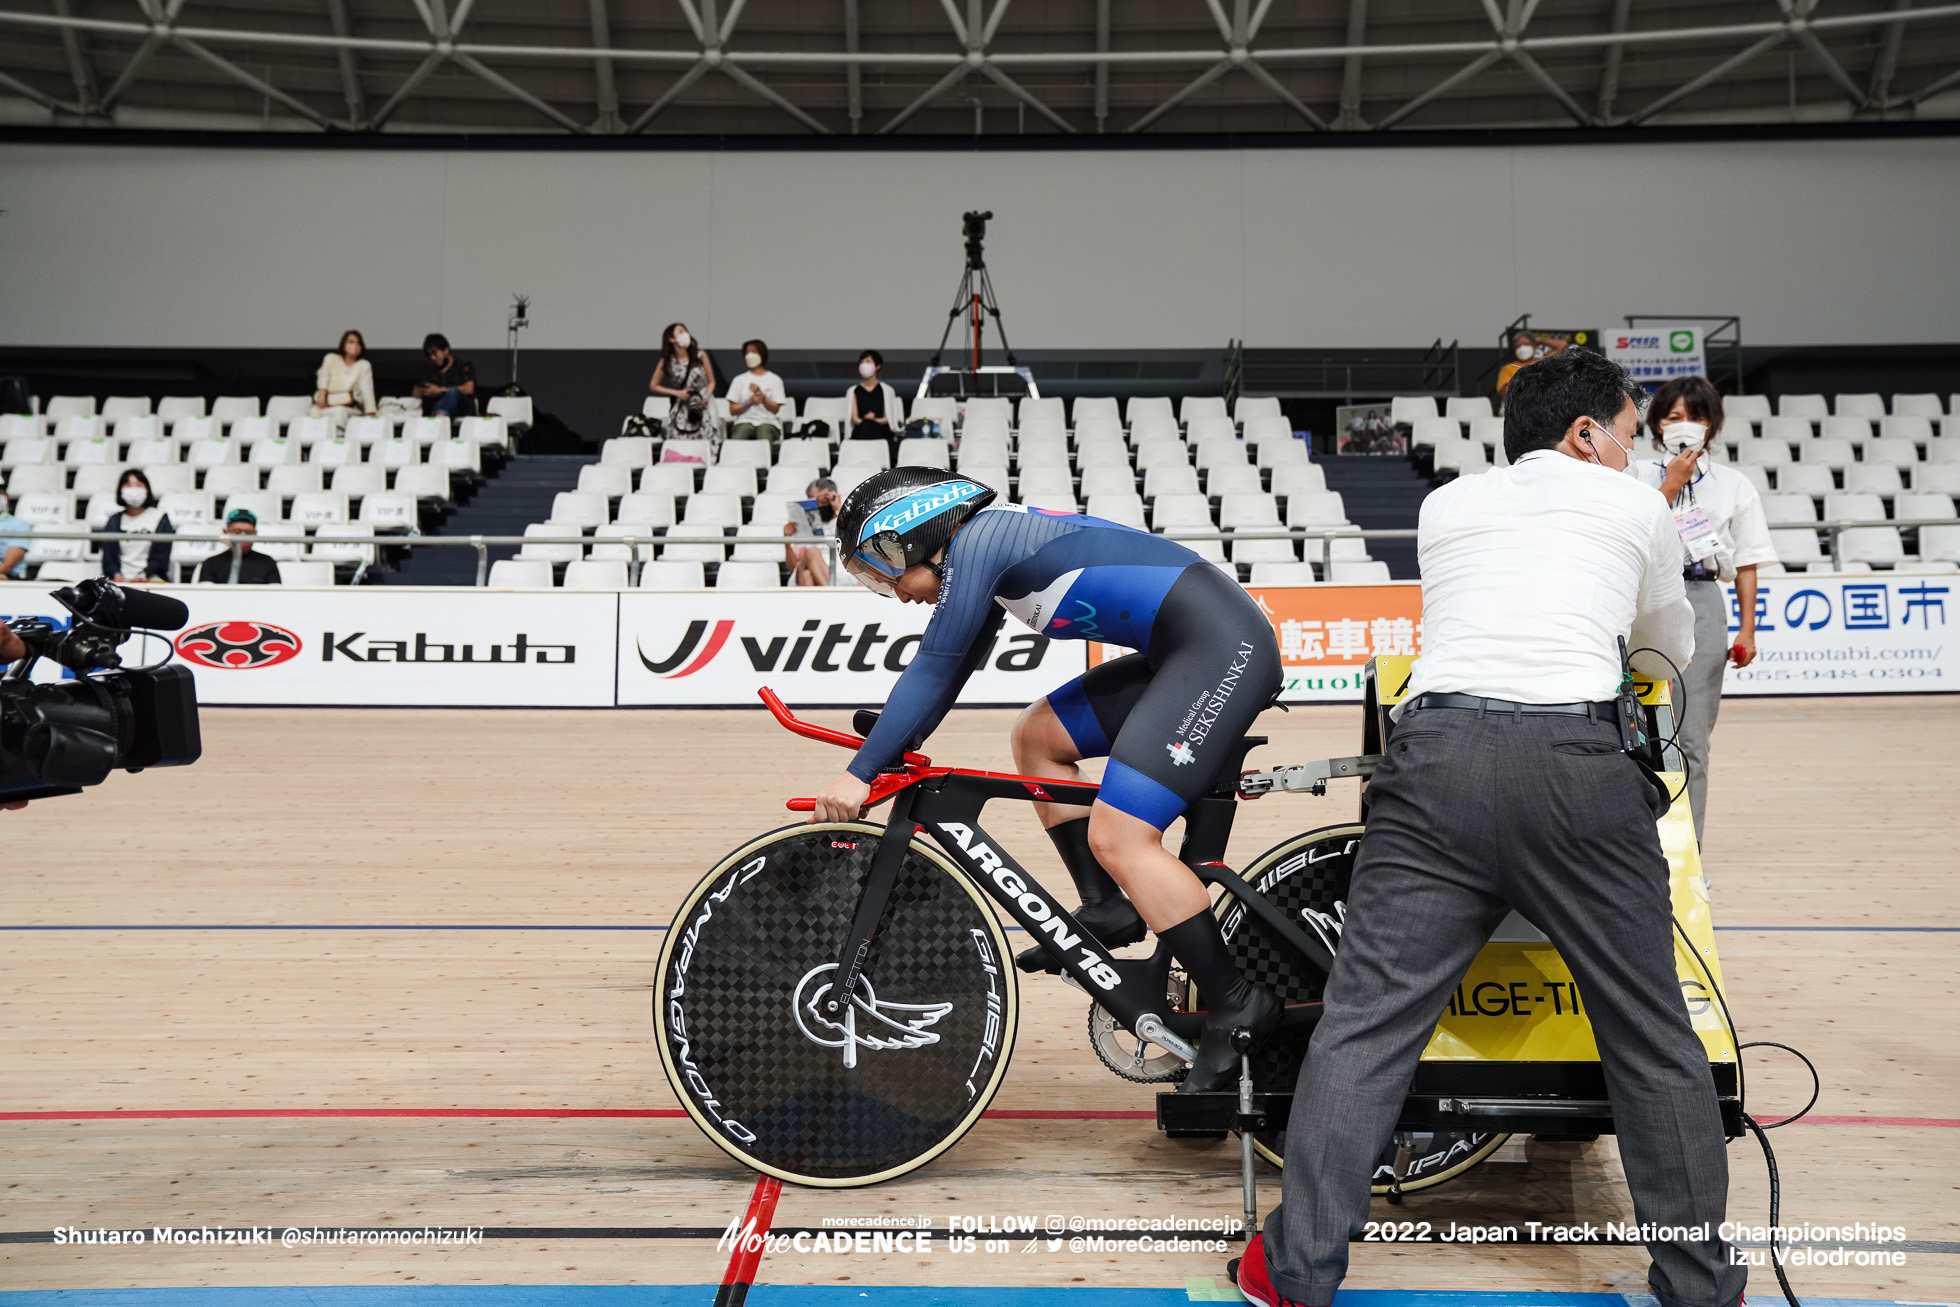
1827, 242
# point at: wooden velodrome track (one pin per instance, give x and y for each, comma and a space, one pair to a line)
449, 913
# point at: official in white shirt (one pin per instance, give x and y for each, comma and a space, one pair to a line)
1724, 537
1504, 786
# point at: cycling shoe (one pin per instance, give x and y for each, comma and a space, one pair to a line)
1256, 1008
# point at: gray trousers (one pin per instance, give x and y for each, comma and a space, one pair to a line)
1699, 689
1470, 813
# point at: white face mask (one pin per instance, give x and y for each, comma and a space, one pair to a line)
1627, 467
1526, 353
682, 340
1682, 436
867, 369
753, 359
134, 496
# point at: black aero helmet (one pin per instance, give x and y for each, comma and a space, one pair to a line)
899, 517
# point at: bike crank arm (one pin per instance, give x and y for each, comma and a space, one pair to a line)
1307, 777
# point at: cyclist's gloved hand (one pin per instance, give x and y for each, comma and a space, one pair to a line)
841, 800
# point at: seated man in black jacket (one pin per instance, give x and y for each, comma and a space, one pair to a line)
253, 568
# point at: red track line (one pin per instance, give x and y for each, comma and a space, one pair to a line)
747, 1256
670, 1113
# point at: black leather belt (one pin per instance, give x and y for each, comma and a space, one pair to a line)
1602, 711
1700, 572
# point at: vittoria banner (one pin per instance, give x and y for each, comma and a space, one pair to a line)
811, 647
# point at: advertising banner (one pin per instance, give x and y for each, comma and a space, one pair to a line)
1848, 634
703, 649
382, 645
1653, 355
1327, 634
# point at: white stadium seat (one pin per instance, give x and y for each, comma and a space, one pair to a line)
314, 573
664, 574
229, 408
595, 574
232, 478
748, 576
520, 574
62, 406
536, 548
1859, 405
1812, 407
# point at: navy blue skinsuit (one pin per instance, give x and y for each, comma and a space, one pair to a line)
1206, 663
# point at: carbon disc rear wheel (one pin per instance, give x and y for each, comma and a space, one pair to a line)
1306, 878
892, 1083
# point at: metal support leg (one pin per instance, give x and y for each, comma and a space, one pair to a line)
1405, 1151
1242, 1042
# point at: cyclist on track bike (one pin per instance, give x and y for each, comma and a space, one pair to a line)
1166, 716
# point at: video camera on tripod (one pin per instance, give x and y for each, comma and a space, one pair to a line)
56, 738
976, 237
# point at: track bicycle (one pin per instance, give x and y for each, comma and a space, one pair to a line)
783, 1072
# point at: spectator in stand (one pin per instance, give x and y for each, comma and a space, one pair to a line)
14, 539
1684, 417
687, 377
11, 650
254, 568
134, 560
448, 387
873, 403
756, 397
1526, 349
345, 381
807, 564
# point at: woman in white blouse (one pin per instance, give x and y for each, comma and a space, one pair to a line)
1724, 537
345, 381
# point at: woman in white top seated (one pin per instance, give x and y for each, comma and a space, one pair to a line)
1724, 537
755, 397
345, 381
137, 560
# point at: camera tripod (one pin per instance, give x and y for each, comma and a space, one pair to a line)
975, 297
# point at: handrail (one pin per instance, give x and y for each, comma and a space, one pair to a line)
484, 543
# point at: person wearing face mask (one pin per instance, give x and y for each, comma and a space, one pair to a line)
14, 541
756, 397
807, 563
132, 560
345, 381
1504, 786
685, 376
1724, 537
254, 568
1526, 349
874, 404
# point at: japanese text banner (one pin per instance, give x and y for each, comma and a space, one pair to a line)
1847, 634
1327, 634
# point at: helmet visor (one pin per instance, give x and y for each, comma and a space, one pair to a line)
878, 562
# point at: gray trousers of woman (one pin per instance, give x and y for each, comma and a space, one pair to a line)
1698, 692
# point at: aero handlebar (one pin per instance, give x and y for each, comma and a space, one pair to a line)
882, 788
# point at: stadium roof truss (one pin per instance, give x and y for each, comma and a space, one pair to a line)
733, 67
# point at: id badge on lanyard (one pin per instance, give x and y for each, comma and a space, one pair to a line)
1698, 533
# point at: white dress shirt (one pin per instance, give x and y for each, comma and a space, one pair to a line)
1532, 572
1732, 504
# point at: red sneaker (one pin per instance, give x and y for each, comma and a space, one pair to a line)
1249, 1273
